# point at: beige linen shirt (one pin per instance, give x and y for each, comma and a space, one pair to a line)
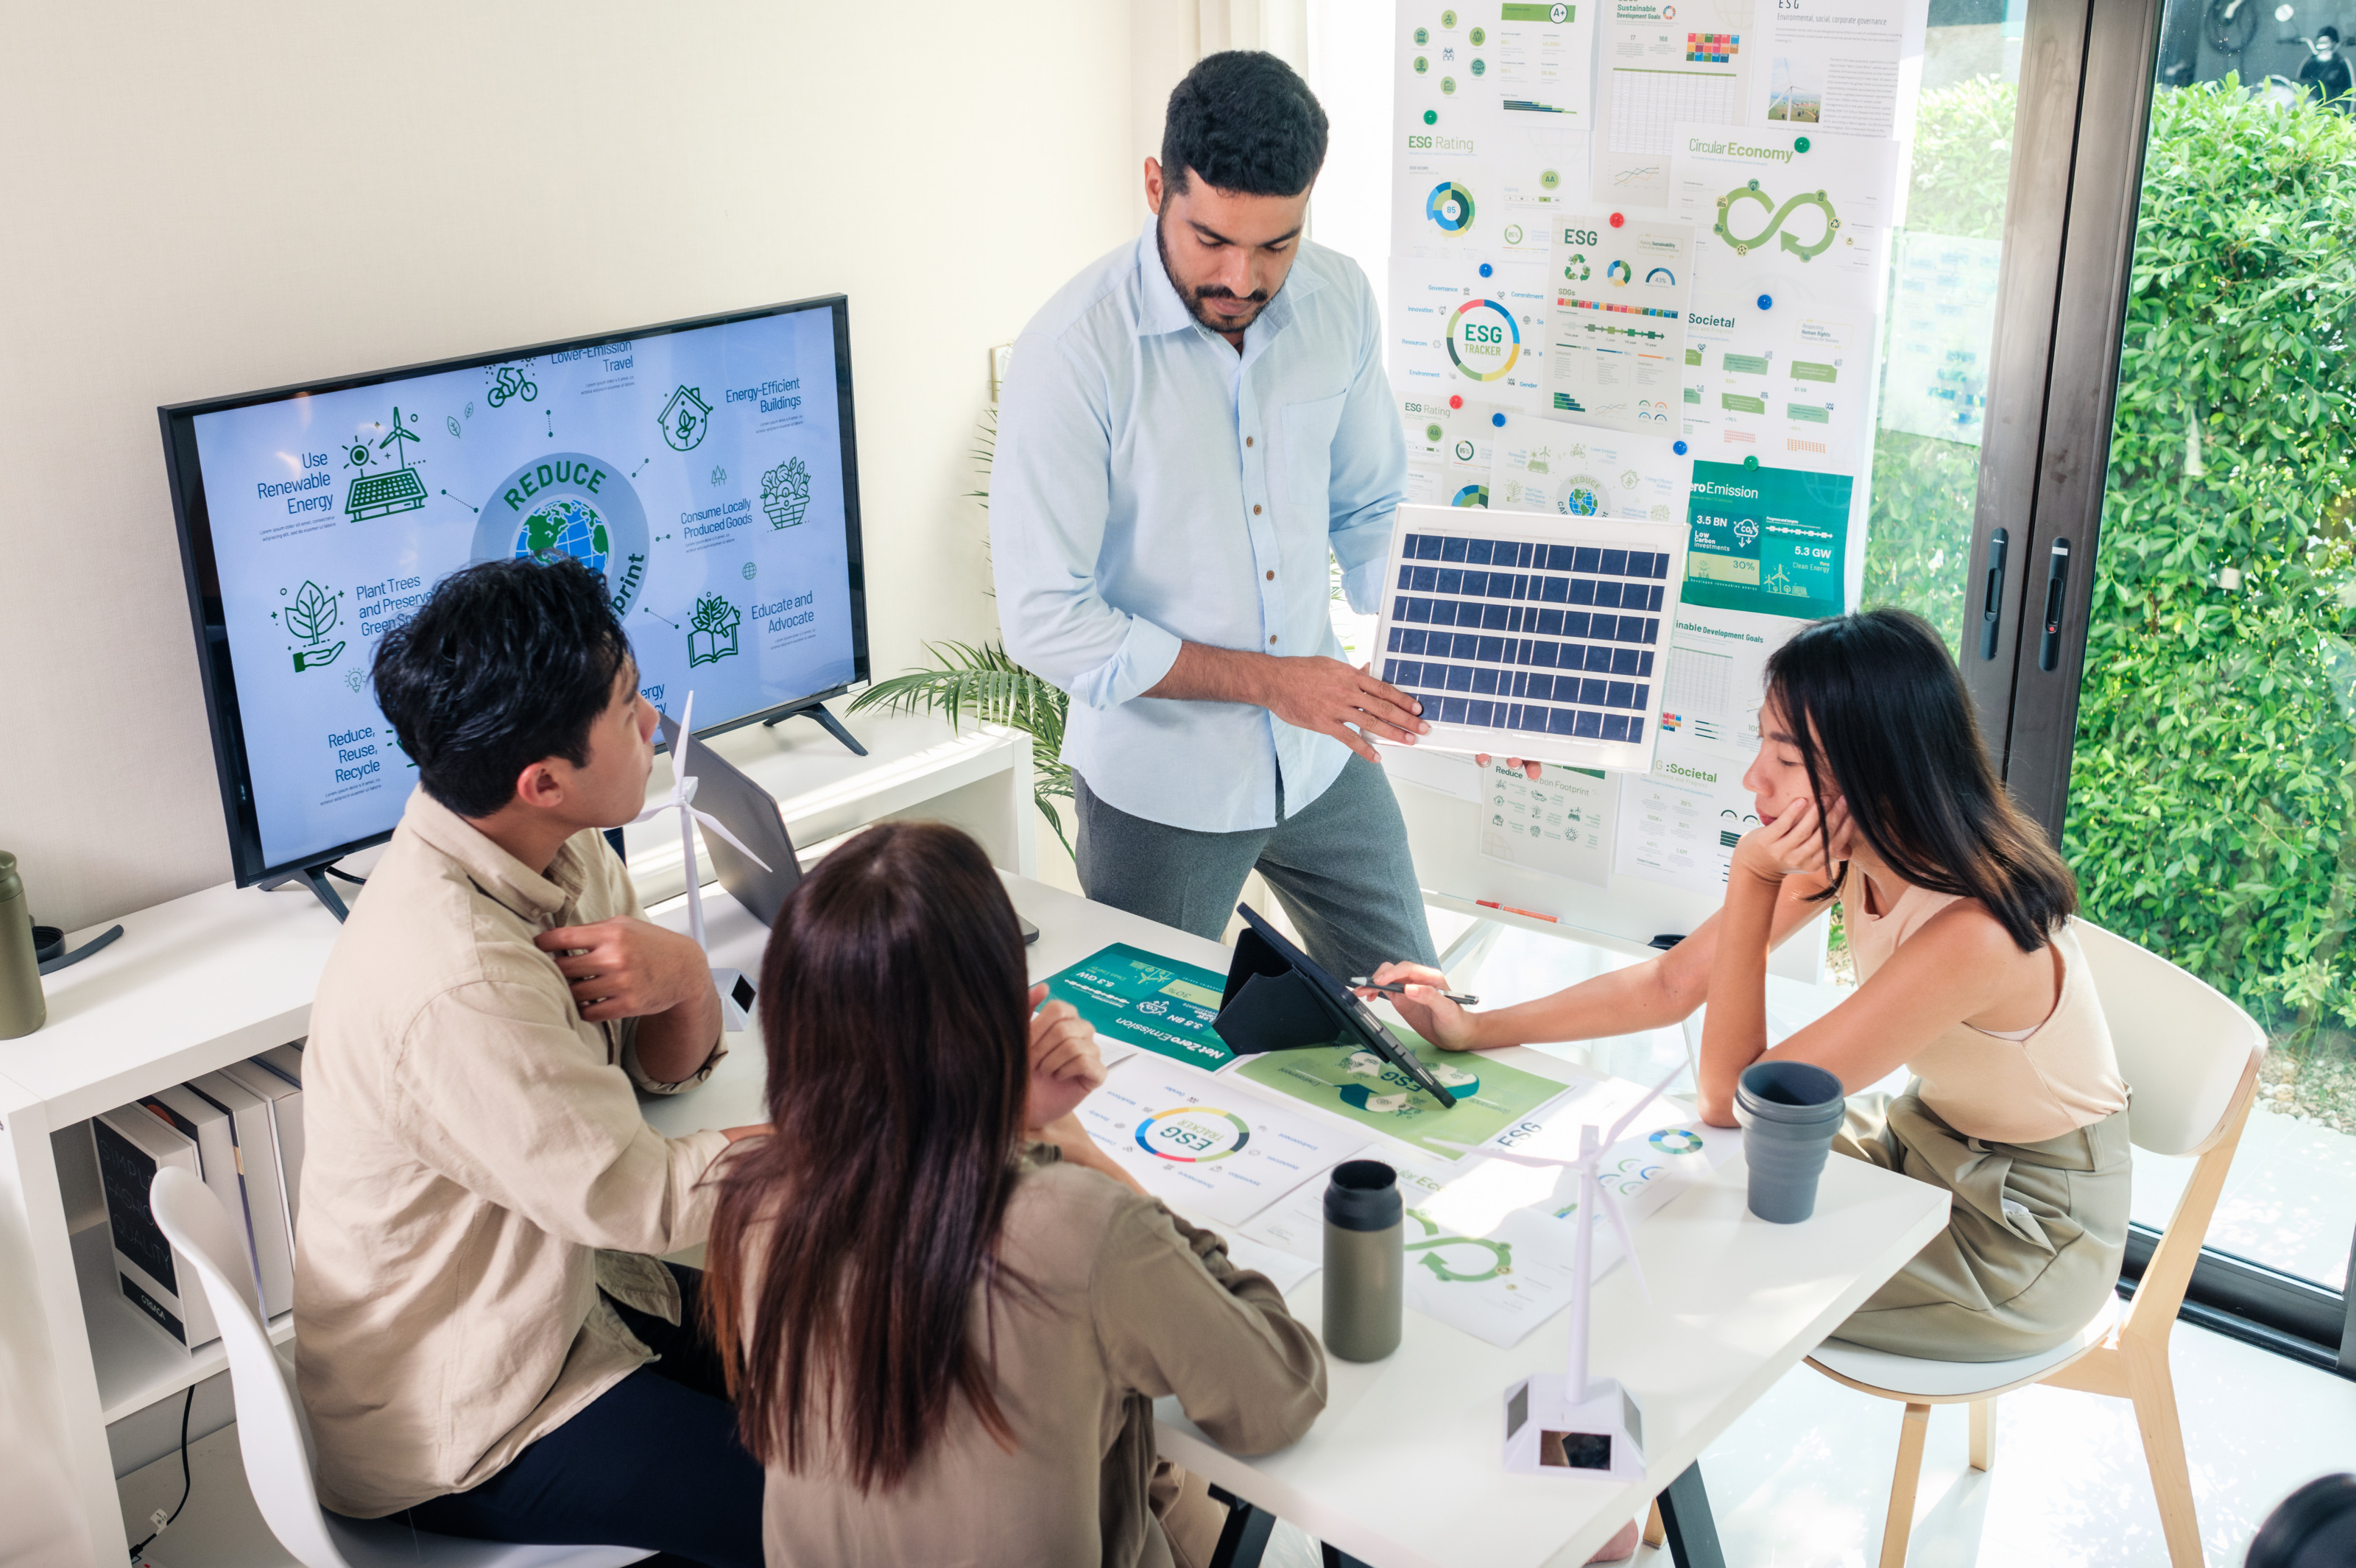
1133, 1303
477, 1169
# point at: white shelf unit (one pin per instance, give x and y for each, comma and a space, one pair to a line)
221, 974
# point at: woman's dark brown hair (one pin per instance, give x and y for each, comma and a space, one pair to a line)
1876, 700
893, 1003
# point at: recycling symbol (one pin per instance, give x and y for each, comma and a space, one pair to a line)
1436, 1242
1775, 216
1576, 270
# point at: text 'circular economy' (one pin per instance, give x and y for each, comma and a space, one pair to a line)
1193, 1134
570, 503
1484, 339
1450, 205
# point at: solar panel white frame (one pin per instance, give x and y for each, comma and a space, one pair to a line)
1559, 657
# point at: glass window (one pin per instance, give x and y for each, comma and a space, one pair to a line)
2213, 789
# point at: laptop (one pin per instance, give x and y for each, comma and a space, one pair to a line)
751, 813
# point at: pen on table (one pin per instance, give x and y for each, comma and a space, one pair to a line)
1397, 988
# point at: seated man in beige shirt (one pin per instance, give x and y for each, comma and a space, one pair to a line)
485, 1338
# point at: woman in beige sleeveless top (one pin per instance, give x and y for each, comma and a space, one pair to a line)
1873, 787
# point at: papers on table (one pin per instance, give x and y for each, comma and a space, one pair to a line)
1140, 1000
1354, 1083
1210, 1146
1490, 1247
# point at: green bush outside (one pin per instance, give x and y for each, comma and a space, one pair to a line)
2214, 774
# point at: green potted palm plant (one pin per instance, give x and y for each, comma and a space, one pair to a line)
981, 684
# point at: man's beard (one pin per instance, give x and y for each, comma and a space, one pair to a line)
1192, 298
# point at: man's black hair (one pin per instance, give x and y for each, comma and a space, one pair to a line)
2328, 32
508, 663
1245, 123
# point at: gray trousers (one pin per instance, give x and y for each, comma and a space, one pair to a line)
1339, 867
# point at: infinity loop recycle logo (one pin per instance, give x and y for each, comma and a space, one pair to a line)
1775, 216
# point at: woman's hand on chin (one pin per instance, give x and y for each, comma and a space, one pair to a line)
1065, 1065
1793, 844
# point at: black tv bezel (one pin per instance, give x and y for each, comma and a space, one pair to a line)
200, 571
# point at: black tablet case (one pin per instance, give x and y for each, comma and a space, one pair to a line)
1269, 1005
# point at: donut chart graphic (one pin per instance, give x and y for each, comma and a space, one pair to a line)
1619, 273
1471, 495
1449, 205
1193, 1134
1491, 328
1676, 1140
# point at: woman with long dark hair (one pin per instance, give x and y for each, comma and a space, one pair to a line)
1873, 788
945, 1312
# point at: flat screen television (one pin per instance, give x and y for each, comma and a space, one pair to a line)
704, 468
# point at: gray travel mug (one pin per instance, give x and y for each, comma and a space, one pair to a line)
1789, 1112
1365, 1261
23, 1008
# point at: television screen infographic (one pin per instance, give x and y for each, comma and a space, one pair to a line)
705, 471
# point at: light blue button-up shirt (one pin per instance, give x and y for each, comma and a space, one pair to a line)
1154, 487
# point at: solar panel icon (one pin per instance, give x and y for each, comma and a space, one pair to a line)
383, 494
1530, 634
395, 490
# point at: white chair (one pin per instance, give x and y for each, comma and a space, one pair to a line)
2191, 1058
274, 1437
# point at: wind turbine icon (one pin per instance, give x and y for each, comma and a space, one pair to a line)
399, 434
1567, 1425
735, 991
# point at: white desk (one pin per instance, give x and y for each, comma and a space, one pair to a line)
1404, 1469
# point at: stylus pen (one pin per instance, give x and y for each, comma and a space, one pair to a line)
1396, 988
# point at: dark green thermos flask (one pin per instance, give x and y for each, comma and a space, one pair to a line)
1365, 1261
22, 1008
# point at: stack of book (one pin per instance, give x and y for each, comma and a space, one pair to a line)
241, 1132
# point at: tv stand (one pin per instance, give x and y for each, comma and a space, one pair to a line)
315, 878
833, 726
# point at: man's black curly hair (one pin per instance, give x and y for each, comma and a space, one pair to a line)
507, 664
1245, 121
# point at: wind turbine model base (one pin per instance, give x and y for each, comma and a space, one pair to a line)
736, 998
1569, 1424
1548, 1432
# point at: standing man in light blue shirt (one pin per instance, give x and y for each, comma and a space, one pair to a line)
1188, 428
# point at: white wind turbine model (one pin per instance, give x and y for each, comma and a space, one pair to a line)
735, 989
1570, 1426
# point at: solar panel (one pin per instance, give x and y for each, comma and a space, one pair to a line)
1530, 635
381, 495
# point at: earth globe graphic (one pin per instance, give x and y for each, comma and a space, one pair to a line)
569, 526
1579, 501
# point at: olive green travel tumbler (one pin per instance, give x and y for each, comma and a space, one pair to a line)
1365, 1261
22, 1010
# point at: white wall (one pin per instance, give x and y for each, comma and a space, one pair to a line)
202, 199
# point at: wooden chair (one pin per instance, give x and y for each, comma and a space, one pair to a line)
2191, 1058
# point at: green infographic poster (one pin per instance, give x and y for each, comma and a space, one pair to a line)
1166, 1007
1768, 540
1353, 1081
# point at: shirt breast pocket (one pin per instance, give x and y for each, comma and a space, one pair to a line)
1308, 449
